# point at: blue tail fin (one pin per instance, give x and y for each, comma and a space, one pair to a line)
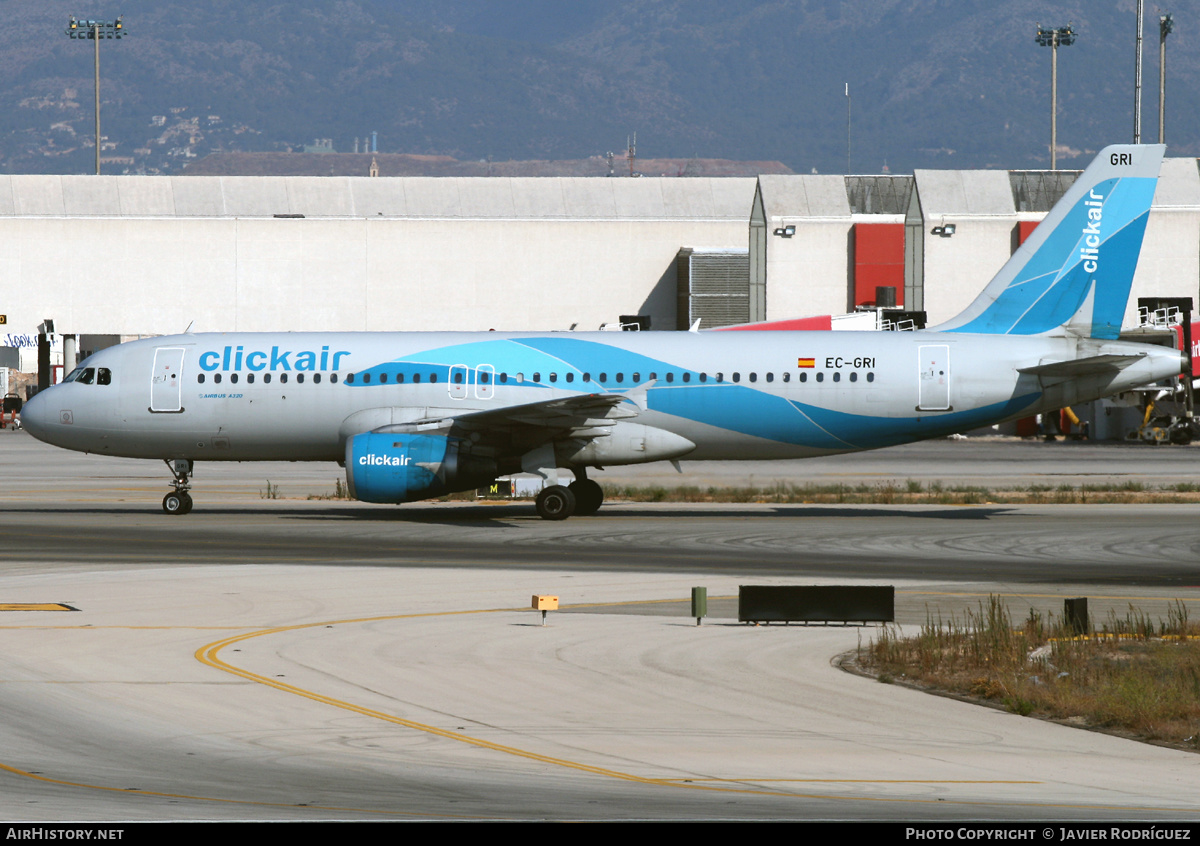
1073, 274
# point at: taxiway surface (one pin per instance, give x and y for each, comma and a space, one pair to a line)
308, 659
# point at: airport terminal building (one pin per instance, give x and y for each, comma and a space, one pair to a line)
113, 257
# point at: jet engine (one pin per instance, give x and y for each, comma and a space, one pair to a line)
387, 467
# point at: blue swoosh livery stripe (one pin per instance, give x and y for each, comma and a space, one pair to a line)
723, 405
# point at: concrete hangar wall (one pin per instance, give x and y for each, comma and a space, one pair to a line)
131, 255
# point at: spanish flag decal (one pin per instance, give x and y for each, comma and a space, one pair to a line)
806, 362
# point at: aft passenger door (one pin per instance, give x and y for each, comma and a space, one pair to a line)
166, 382
934, 378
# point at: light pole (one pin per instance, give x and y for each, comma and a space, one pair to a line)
1165, 25
96, 30
848, 171
1137, 81
1064, 35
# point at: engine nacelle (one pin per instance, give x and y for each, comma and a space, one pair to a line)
383, 467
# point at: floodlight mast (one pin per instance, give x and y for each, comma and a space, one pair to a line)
1064, 35
1165, 25
96, 30
1137, 80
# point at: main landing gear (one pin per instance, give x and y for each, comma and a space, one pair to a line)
178, 501
583, 497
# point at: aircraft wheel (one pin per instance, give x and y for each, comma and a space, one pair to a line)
555, 503
1181, 435
177, 503
588, 496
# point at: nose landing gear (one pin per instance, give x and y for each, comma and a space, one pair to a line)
178, 501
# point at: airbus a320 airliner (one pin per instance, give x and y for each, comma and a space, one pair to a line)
415, 415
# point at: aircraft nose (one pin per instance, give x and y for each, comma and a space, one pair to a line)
33, 416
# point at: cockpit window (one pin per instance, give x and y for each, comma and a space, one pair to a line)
88, 376
103, 376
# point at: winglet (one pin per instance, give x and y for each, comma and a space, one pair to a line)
1074, 273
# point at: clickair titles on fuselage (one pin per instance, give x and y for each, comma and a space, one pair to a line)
237, 358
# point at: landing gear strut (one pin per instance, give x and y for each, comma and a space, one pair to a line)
178, 501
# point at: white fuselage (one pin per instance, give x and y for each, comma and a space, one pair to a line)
734, 395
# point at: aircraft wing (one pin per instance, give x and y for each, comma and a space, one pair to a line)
1082, 366
516, 429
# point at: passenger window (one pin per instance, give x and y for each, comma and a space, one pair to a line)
853, 377
316, 378
217, 378
720, 377
266, 378
503, 378
233, 377
537, 377
333, 378
200, 378
249, 378
300, 378
399, 378
416, 378
620, 378
587, 377
349, 379
458, 377
787, 376
803, 377
770, 377
520, 378
103, 376
432, 377
870, 377
283, 378
570, 377
382, 378
484, 377
687, 377
637, 377
837, 377
653, 376
737, 377
703, 377
603, 378
820, 377
553, 377
670, 377
753, 377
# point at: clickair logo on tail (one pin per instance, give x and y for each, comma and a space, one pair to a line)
1089, 253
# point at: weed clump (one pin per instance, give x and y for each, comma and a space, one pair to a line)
1136, 674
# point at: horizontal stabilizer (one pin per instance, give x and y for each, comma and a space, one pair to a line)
1083, 366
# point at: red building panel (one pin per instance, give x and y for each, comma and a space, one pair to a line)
878, 260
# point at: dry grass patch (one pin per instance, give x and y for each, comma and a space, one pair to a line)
1134, 676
